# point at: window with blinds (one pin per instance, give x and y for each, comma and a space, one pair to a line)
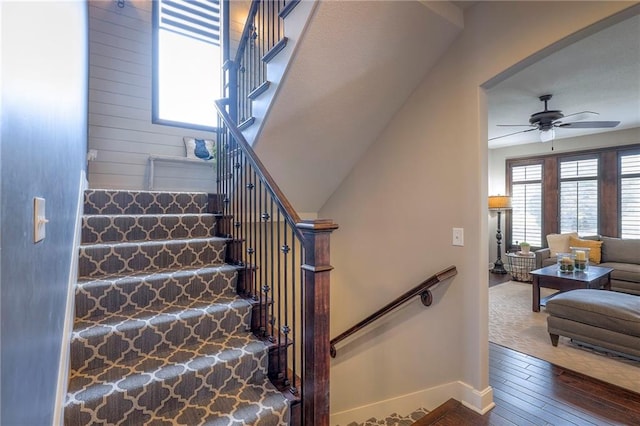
630, 195
579, 196
526, 201
187, 76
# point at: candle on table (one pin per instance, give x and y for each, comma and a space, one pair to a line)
580, 255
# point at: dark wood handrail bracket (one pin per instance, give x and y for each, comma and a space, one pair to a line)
422, 289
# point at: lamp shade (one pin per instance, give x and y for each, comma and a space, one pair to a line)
499, 202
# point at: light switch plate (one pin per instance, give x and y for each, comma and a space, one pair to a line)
458, 237
39, 219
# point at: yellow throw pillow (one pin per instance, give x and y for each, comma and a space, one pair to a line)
595, 253
559, 243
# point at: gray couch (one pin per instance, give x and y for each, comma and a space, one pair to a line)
623, 255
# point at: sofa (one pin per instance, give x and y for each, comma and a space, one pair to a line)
622, 255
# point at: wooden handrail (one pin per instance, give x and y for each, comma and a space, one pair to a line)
421, 289
289, 212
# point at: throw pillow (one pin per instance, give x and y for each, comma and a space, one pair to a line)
559, 243
203, 149
595, 252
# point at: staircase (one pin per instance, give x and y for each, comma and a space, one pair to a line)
160, 335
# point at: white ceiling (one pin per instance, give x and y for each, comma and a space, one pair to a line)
600, 73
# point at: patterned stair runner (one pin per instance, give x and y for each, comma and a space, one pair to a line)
394, 419
160, 336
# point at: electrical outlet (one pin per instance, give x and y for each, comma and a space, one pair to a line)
458, 237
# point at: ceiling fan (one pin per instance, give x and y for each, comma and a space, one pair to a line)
546, 121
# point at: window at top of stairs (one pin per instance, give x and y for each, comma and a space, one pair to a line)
186, 62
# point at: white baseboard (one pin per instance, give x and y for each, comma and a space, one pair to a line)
478, 401
63, 368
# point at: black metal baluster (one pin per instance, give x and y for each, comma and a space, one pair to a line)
243, 211
251, 251
285, 328
226, 183
278, 325
271, 270
302, 323
296, 332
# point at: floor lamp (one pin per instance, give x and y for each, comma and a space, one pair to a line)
499, 203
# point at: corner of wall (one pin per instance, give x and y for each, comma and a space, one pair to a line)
480, 401
63, 369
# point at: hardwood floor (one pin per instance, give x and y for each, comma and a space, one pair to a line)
529, 391
495, 279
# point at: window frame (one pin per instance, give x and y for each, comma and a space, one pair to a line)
155, 81
609, 196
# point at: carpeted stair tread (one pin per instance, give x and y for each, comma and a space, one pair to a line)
256, 405
161, 336
115, 338
105, 201
166, 379
120, 293
145, 227
113, 258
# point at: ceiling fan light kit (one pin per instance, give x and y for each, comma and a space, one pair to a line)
548, 120
547, 135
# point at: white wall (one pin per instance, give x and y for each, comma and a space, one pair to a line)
120, 84
498, 157
426, 174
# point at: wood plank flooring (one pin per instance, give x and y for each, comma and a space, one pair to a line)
529, 391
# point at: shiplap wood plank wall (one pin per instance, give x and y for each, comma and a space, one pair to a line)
120, 127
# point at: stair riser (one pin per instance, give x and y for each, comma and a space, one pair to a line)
141, 202
125, 295
106, 229
108, 343
104, 259
133, 400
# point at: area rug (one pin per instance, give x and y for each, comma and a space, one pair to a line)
513, 324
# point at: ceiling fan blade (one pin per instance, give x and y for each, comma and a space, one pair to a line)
515, 125
511, 134
578, 116
589, 124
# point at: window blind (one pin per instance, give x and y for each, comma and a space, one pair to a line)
630, 196
579, 196
526, 201
199, 19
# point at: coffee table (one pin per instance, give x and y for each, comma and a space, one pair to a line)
551, 277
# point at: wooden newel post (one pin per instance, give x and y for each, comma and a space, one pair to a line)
317, 271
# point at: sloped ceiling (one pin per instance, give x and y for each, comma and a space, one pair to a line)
599, 73
354, 67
